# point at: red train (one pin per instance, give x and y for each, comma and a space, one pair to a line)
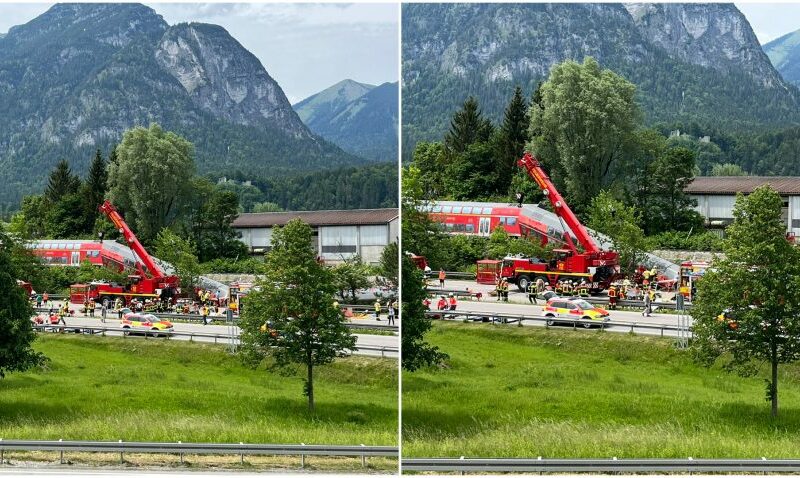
481, 218
73, 252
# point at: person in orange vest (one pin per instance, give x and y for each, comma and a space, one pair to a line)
453, 302
442, 304
442, 276
612, 297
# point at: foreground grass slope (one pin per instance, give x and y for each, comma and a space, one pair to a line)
157, 390
528, 392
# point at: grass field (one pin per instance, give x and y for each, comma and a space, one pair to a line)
156, 390
529, 391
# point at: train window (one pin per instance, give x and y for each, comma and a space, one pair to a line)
471, 228
456, 209
502, 221
448, 227
487, 210
467, 210
436, 209
446, 209
511, 221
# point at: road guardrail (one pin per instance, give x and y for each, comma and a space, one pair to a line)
576, 322
217, 338
612, 465
242, 449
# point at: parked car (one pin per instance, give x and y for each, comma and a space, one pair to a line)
146, 323
574, 308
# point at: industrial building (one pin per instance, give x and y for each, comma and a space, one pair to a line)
338, 235
716, 197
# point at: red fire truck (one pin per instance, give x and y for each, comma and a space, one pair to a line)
598, 267
149, 281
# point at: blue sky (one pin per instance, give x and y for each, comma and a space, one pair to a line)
305, 47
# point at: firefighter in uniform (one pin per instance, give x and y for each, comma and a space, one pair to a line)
505, 290
559, 288
567, 288
612, 297
532, 292
583, 289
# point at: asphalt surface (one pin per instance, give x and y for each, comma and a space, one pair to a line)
518, 305
386, 341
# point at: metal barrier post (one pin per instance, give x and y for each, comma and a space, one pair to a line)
363, 459
61, 459
179, 442
121, 457
241, 456
303, 458
2, 453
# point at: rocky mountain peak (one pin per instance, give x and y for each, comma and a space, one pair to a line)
112, 24
223, 78
713, 35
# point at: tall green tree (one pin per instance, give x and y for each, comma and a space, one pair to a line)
416, 352
61, 182
467, 127
420, 235
668, 205
292, 318
149, 181
757, 284
429, 159
16, 334
512, 137
585, 129
180, 253
618, 221
390, 264
94, 190
208, 220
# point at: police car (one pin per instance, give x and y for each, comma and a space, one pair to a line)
574, 308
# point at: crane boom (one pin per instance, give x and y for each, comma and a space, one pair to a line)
130, 238
560, 206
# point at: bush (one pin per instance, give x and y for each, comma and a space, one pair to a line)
672, 240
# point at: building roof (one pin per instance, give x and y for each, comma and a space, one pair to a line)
351, 217
729, 185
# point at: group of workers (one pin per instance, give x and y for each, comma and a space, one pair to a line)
570, 287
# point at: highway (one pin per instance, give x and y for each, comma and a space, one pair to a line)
389, 342
518, 305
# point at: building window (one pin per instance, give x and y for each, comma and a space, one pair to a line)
338, 249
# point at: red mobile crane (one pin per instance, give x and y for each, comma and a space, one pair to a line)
596, 266
149, 280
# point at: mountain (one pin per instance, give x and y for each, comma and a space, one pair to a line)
784, 52
79, 75
690, 62
360, 118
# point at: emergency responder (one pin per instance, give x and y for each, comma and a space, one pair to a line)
612, 297
46, 299
377, 307
498, 287
648, 305
504, 286
583, 289
91, 307
539, 285
559, 287
567, 288
532, 292
453, 302
442, 304
442, 276
204, 312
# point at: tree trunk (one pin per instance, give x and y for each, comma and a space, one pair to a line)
310, 386
774, 382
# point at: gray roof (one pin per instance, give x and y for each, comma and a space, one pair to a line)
730, 185
349, 217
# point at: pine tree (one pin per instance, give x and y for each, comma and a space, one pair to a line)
467, 127
94, 189
61, 182
512, 139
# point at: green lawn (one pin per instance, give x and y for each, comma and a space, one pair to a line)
157, 390
528, 392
